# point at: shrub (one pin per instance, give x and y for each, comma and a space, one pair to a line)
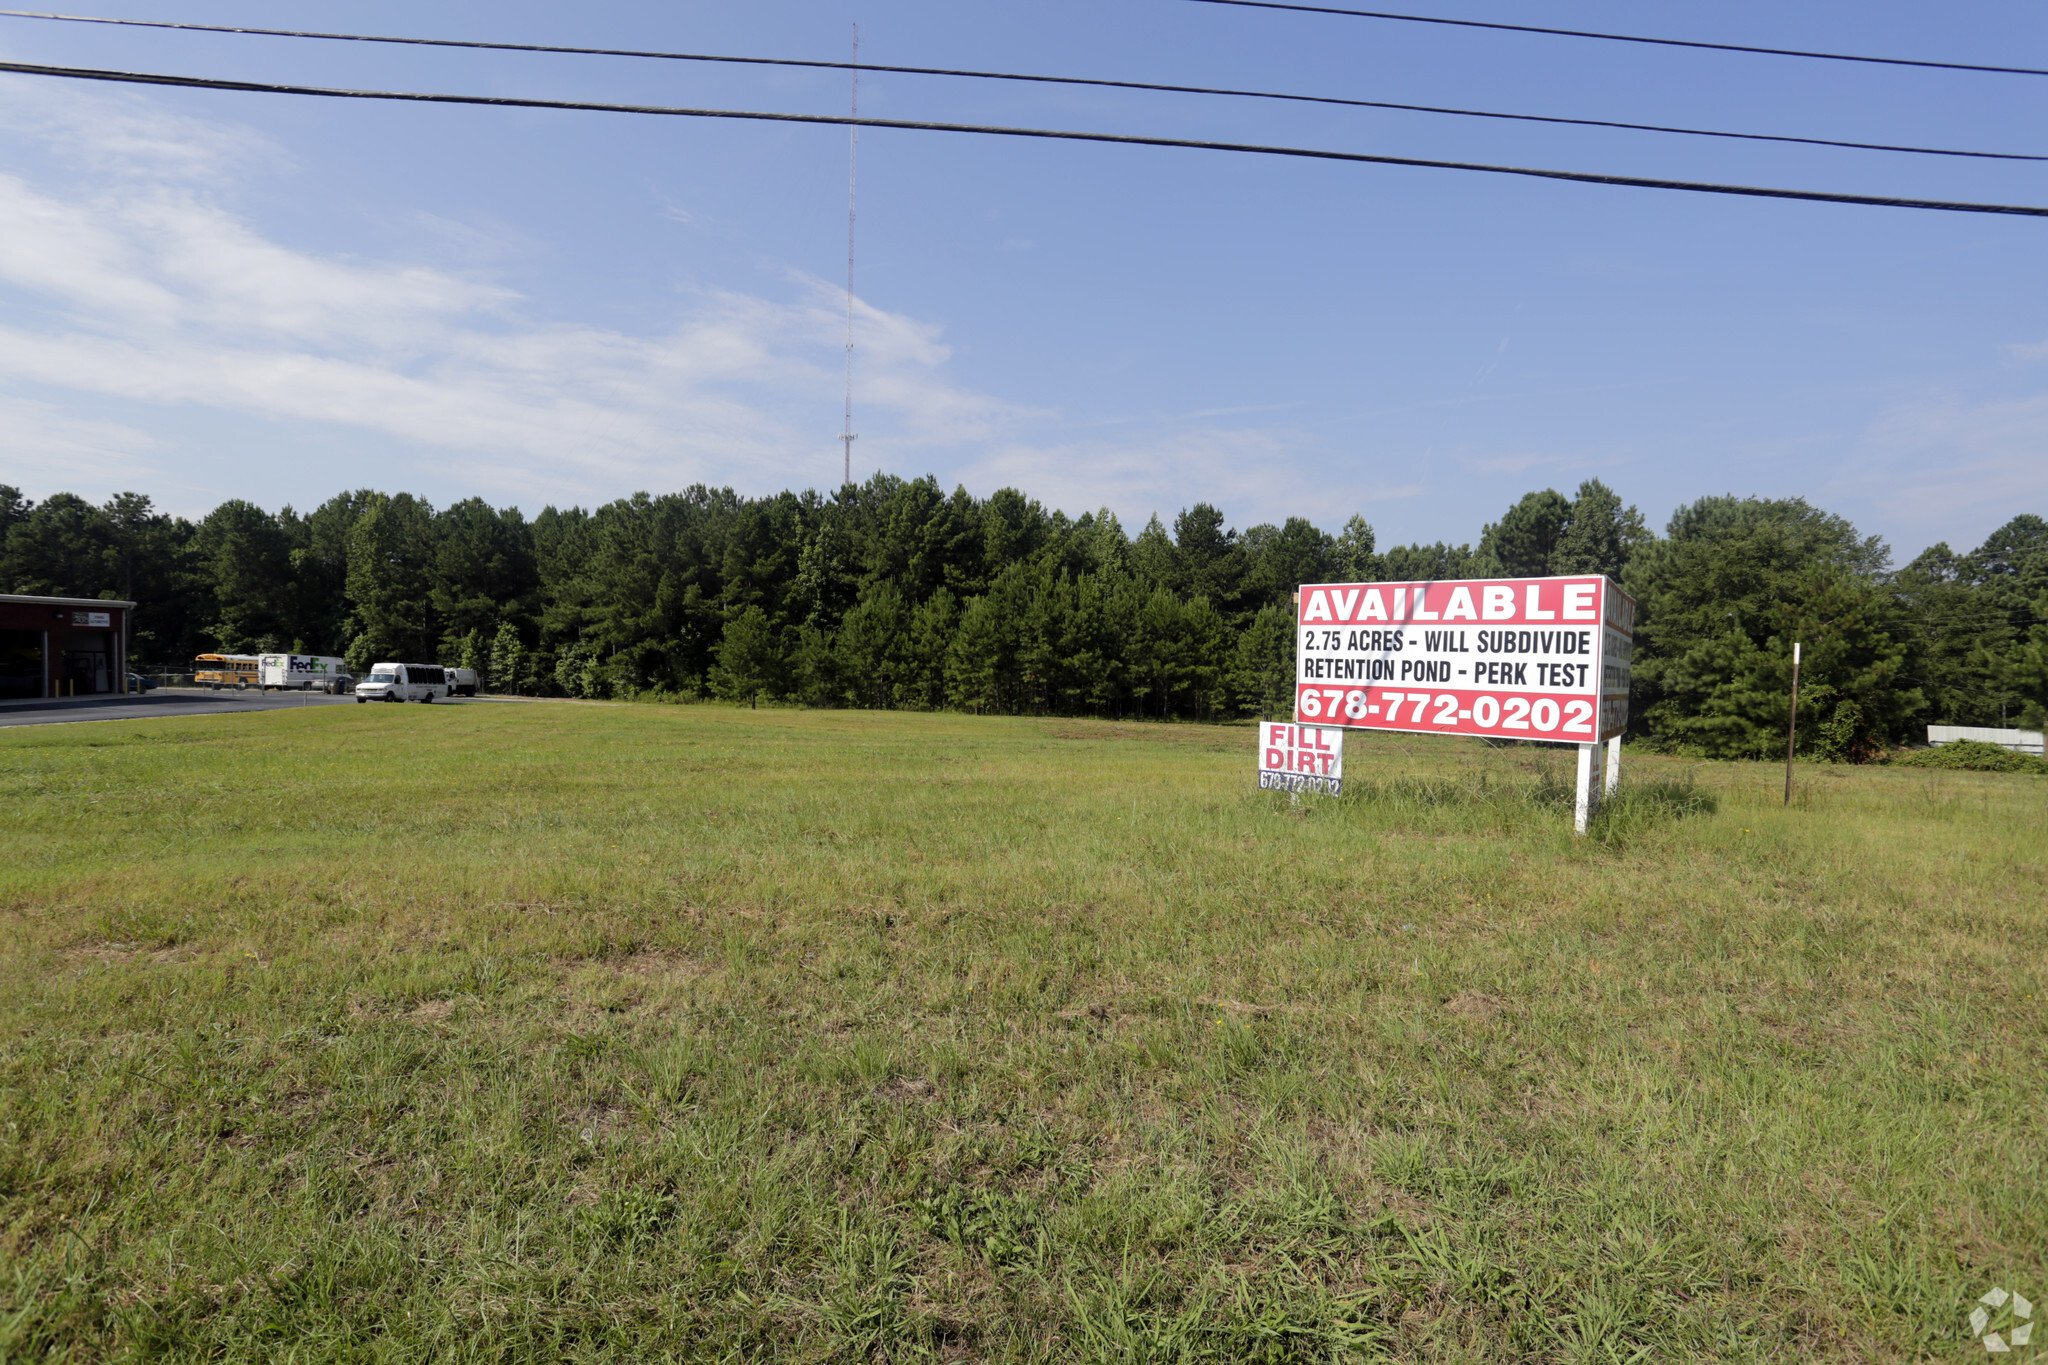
1974, 755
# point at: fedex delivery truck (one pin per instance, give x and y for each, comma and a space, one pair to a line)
301, 673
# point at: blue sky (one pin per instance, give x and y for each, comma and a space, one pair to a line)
209, 295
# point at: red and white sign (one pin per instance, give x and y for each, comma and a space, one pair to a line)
1513, 658
1301, 758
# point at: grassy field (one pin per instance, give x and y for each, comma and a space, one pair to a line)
636, 1033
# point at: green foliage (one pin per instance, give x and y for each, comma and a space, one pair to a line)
1843, 737
390, 582
1724, 596
1355, 554
577, 673
1522, 543
1977, 621
893, 594
506, 658
1600, 535
1006, 1229
1262, 674
1971, 755
484, 568
747, 657
245, 556
1429, 563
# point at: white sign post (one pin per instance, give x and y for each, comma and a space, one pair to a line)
1543, 659
1592, 760
1301, 758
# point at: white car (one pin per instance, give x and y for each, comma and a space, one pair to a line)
403, 682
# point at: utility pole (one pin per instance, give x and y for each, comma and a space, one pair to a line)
847, 436
1792, 727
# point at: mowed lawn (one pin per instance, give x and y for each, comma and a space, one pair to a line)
560, 1032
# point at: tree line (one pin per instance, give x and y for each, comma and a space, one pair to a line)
894, 594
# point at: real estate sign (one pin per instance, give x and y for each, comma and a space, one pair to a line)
1513, 658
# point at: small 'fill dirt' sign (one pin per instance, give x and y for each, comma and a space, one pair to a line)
1301, 758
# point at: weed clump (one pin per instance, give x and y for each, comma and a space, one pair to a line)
1007, 1229
1483, 799
1640, 806
1973, 755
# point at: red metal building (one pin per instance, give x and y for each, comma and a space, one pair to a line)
62, 646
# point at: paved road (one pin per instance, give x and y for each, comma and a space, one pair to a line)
178, 701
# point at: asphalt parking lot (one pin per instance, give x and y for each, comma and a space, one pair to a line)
180, 701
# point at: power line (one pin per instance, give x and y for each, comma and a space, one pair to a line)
1124, 139
1151, 86
1632, 38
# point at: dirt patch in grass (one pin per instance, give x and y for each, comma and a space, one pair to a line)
113, 954
1477, 1006
658, 965
907, 1090
82, 955
602, 1123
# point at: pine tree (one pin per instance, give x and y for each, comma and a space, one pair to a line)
1262, 666
1522, 542
1356, 556
873, 645
932, 626
977, 663
390, 580
1599, 534
246, 556
1722, 598
1208, 560
747, 658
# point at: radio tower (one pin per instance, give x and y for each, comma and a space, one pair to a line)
847, 435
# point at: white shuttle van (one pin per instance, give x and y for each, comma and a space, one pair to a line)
403, 682
301, 673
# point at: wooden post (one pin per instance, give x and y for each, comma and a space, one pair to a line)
1613, 766
1792, 726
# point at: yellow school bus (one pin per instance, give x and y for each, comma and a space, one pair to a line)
225, 670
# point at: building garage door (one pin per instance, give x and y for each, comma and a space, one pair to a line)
21, 664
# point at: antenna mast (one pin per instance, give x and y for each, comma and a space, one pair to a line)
847, 435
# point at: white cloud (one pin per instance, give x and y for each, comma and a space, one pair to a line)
1955, 467
127, 133
1253, 475
47, 447
136, 280
142, 283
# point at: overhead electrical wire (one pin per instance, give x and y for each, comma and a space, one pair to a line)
1633, 38
1124, 139
479, 45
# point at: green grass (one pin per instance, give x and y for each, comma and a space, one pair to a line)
581, 1033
